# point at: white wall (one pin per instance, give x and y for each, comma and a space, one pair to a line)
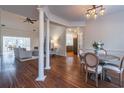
81, 38
16, 27
59, 32
108, 29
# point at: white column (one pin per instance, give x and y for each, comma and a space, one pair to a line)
1, 44
41, 76
47, 46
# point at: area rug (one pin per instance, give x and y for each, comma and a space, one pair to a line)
28, 59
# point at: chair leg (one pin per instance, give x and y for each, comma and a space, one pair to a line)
83, 67
104, 74
121, 79
101, 76
96, 80
86, 76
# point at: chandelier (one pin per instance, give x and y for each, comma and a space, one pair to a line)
95, 11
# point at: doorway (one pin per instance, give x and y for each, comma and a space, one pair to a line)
71, 42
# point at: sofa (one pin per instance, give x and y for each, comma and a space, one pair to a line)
22, 53
35, 52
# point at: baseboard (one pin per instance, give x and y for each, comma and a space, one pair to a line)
60, 55
27, 59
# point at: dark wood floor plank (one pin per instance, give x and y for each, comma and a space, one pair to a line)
65, 72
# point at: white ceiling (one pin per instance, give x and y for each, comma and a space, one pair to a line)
24, 10
77, 12
71, 13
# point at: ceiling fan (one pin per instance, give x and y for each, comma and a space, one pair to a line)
29, 20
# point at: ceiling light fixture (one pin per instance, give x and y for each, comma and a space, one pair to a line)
95, 11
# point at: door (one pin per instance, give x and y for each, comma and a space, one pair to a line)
75, 45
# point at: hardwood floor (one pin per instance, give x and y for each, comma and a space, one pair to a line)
70, 54
65, 72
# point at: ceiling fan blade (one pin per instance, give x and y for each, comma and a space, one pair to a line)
29, 20
25, 21
33, 20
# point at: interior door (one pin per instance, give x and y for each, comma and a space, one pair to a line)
75, 45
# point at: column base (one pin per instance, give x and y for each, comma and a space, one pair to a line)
48, 67
41, 78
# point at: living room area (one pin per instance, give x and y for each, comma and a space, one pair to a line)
15, 33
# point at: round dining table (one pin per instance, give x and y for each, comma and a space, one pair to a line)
108, 60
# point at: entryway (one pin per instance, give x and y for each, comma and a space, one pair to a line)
71, 42
74, 40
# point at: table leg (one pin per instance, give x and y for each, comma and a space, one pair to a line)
106, 78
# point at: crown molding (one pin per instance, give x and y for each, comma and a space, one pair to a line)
59, 20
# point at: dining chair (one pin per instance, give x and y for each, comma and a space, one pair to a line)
92, 66
81, 57
118, 69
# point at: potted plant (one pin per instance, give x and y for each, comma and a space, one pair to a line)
97, 46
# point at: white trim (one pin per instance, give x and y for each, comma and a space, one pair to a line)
47, 46
54, 18
60, 54
41, 76
1, 40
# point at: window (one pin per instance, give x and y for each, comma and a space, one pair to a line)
9, 43
69, 39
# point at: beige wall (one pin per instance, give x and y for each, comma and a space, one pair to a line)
108, 29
